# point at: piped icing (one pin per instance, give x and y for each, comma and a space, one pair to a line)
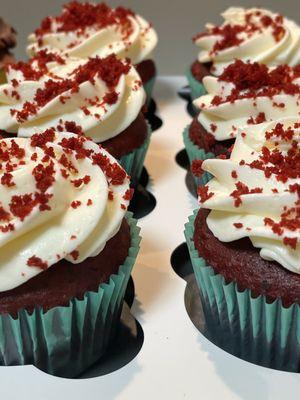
248, 94
62, 196
256, 193
249, 34
102, 96
88, 29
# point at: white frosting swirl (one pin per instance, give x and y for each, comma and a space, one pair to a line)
240, 214
56, 202
87, 103
224, 117
263, 37
130, 36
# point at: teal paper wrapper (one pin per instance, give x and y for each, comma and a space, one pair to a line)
197, 89
133, 162
254, 329
195, 153
64, 341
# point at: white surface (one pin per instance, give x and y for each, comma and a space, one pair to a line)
176, 361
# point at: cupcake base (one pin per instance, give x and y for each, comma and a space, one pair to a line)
262, 332
64, 341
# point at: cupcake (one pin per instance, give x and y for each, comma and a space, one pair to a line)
244, 244
245, 94
246, 34
101, 98
86, 30
7, 42
67, 250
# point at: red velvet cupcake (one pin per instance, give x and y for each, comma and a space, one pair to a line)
246, 253
67, 250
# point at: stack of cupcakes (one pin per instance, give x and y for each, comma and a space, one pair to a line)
244, 242
254, 62
68, 243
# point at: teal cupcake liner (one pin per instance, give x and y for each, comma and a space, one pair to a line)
133, 162
249, 327
148, 87
196, 87
196, 153
65, 341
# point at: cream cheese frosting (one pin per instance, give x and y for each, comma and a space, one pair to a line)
62, 196
249, 34
86, 30
102, 96
256, 193
248, 94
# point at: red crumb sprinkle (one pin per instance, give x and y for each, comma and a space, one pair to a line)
291, 242
44, 176
89, 202
81, 181
230, 35
111, 97
75, 204
36, 67
77, 17
260, 118
252, 80
73, 237
40, 139
196, 168
113, 171
234, 174
7, 228
110, 195
203, 193
242, 189
128, 194
4, 215
74, 254
35, 261
6, 180
238, 225
109, 69
123, 207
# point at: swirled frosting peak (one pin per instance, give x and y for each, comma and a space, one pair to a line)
102, 96
250, 34
256, 193
62, 196
88, 29
248, 94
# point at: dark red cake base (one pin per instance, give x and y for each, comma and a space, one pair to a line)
130, 139
64, 280
200, 70
146, 70
205, 140
240, 262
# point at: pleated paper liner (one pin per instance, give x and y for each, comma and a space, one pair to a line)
195, 153
267, 334
196, 88
143, 202
65, 341
133, 162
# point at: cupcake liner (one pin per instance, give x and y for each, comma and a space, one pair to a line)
196, 153
196, 87
64, 341
251, 328
133, 162
148, 87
